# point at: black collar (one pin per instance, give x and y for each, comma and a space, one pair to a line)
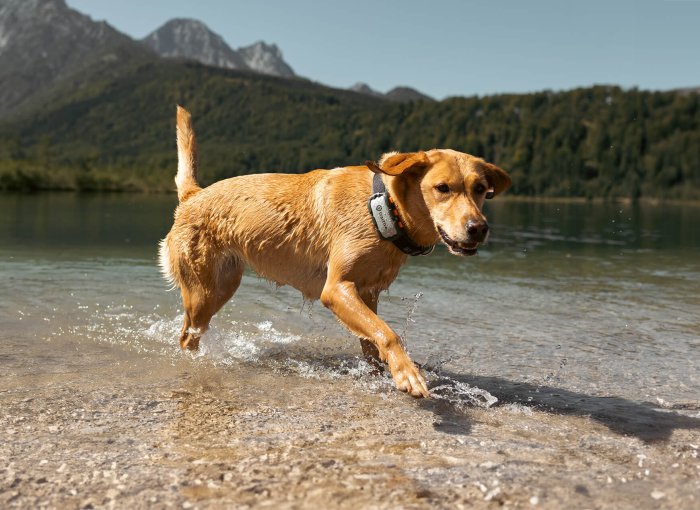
385, 215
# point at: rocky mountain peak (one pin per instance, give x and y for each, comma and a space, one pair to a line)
265, 58
190, 38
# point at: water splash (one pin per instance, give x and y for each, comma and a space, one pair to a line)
554, 376
225, 348
229, 342
272, 335
461, 395
409, 314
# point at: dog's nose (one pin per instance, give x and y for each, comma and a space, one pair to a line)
477, 230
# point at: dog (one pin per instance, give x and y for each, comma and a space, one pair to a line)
337, 235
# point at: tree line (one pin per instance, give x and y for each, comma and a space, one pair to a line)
118, 134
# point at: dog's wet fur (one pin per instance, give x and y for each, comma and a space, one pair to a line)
313, 231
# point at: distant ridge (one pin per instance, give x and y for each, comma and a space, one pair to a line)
398, 94
404, 94
688, 90
363, 88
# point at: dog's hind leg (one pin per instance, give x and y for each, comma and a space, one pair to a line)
204, 298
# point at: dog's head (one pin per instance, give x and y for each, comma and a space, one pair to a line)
443, 192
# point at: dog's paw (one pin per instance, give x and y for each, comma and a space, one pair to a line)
190, 340
409, 379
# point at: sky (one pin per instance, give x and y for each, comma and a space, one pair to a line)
450, 47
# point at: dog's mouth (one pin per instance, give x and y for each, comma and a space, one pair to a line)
457, 248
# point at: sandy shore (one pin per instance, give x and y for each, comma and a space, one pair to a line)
127, 432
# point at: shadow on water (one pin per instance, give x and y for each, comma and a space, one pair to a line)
643, 420
625, 417
450, 418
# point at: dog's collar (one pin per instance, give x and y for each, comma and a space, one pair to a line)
385, 215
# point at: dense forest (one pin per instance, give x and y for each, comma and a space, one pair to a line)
117, 133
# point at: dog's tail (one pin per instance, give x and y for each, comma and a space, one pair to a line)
186, 178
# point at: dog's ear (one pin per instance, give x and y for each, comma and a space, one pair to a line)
498, 179
396, 163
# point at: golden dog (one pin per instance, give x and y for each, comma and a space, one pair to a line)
314, 232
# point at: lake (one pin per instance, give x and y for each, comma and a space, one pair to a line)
573, 310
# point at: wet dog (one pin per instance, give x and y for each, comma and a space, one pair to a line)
315, 232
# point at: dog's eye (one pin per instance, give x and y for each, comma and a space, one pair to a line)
479, 189
443, 188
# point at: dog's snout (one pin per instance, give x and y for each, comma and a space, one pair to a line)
477, 230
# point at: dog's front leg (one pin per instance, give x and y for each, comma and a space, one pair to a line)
343, 299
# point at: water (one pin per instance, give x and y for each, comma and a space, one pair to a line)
579, 321
590, 298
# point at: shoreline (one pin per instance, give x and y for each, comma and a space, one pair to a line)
646, 201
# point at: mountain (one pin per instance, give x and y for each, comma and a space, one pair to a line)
397, 94
192, 39
44, 41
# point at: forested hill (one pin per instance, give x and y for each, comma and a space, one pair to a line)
118, 133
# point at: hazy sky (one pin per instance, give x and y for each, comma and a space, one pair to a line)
450, 47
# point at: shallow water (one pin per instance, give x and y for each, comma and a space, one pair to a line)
570, 306
595, 298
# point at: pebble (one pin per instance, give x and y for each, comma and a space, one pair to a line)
657, 494
492, 494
